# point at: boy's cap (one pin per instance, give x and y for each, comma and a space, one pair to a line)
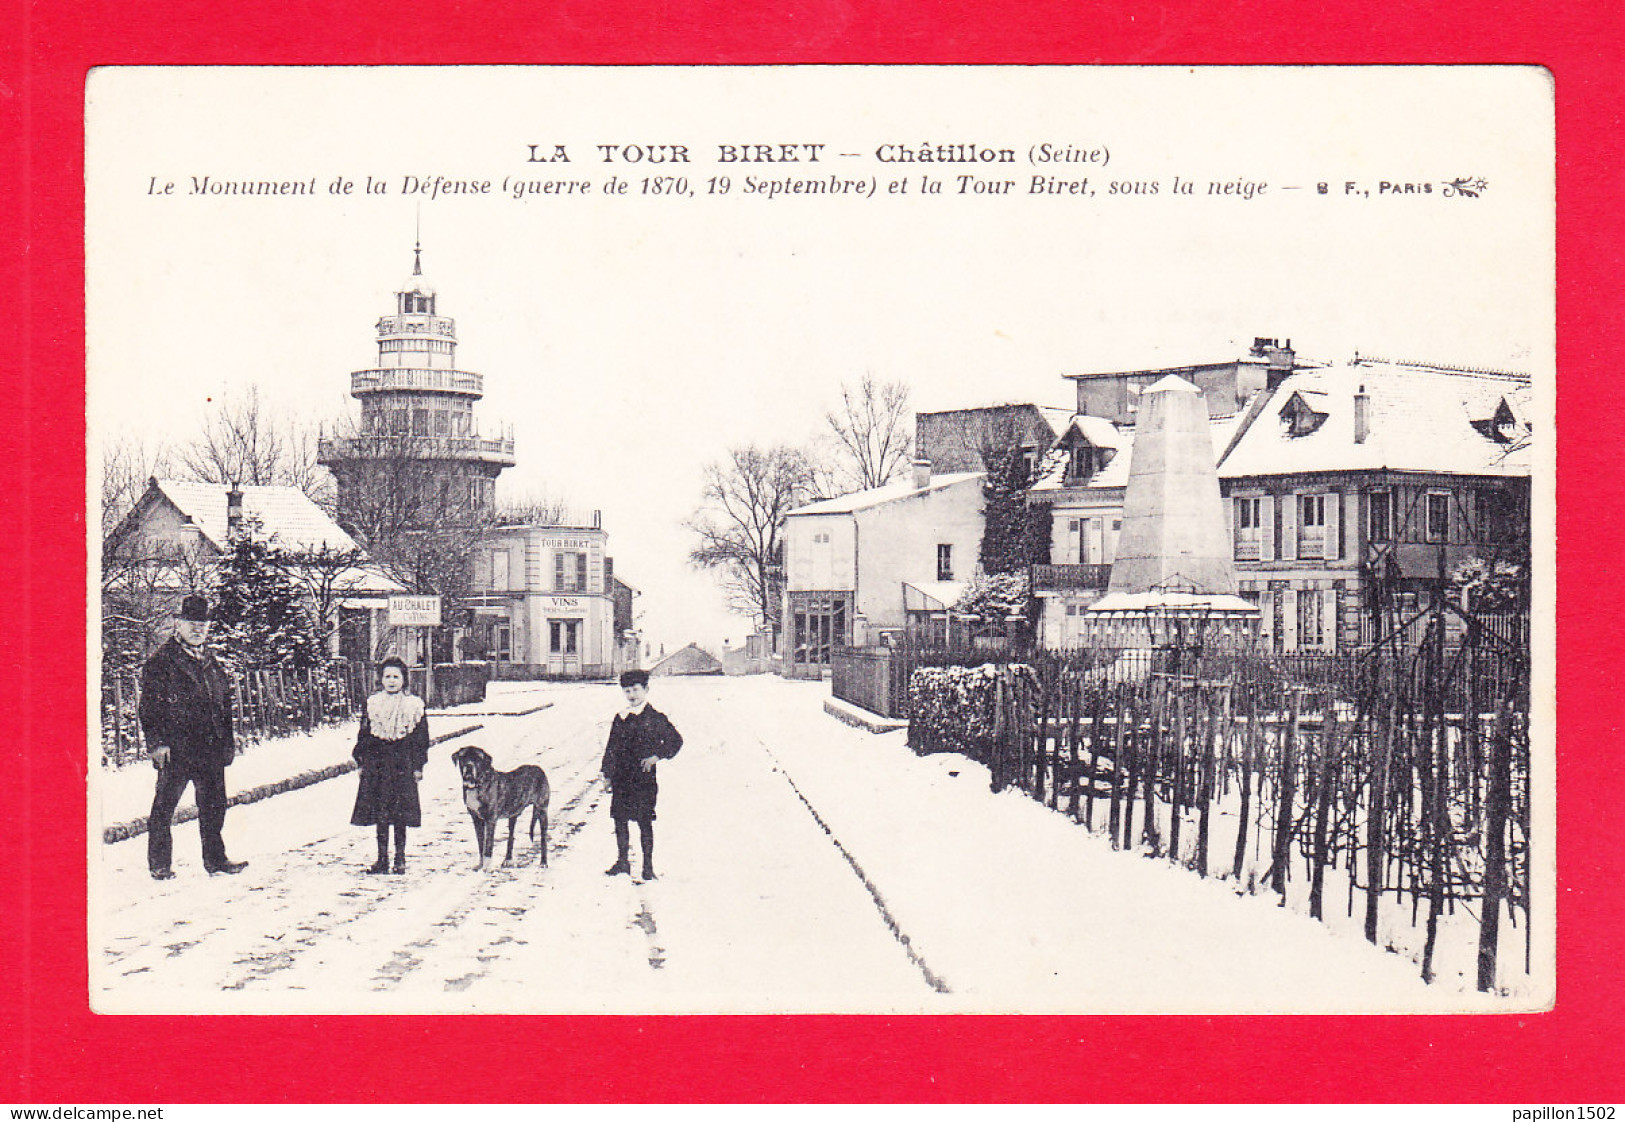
634, 678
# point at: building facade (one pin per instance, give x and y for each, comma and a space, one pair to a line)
543, 601
875, 562
1356, 488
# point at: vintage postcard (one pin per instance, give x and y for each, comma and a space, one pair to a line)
820, 539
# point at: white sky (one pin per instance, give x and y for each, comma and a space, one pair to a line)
632, 339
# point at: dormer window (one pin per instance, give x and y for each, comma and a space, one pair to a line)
1502, 426
1300, 417
1085, 459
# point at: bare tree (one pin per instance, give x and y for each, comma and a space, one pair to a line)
246, 441
128, 464
420, 511
740, 522
142, 580
533, 508
326, 575
874, 430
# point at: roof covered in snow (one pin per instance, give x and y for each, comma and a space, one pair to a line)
1103, 434
1057, 417
1207, 363
286, 515
1419, 418
892, 492
1180, 601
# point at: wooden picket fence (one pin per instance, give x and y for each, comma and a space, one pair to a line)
1405, 780
265, 703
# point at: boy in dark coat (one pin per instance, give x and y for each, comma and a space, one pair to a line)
640, 737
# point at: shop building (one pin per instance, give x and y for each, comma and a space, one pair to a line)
863, 567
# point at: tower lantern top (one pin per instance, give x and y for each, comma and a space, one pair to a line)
417, 294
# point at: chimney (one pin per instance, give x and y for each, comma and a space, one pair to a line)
922, 473
1281, 359
234, 512
1362, 416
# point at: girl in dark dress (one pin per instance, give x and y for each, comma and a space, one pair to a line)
392, 747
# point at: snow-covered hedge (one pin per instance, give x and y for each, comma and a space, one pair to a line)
952, 708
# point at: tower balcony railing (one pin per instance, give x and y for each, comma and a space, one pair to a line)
417, 325
380, 446
385, 379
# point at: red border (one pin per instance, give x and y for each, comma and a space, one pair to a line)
54, 1051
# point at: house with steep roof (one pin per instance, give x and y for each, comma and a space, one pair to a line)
1371, 476
1337, 481
165, 546
879, 561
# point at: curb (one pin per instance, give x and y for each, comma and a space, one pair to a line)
123, 831
492, 713
849, 714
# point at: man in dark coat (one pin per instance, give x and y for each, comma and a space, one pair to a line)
186, 717
640, 737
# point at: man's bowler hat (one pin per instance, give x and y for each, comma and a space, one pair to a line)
195, 608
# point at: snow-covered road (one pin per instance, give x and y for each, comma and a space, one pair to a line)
804, 867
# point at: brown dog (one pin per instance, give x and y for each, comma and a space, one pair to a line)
492, 795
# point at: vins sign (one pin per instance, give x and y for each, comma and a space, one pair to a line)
414, 611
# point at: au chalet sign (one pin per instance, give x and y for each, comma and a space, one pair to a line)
414, 611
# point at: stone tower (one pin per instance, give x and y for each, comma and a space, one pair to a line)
417, 447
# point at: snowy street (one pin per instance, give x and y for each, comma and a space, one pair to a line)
804, 866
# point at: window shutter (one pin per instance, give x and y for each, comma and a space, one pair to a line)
558, 575
1289, 619
1266, 535
1289, 525
581, 572
1329, 618
1266, 617
1334, 526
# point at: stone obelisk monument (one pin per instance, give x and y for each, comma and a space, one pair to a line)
1174, 537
